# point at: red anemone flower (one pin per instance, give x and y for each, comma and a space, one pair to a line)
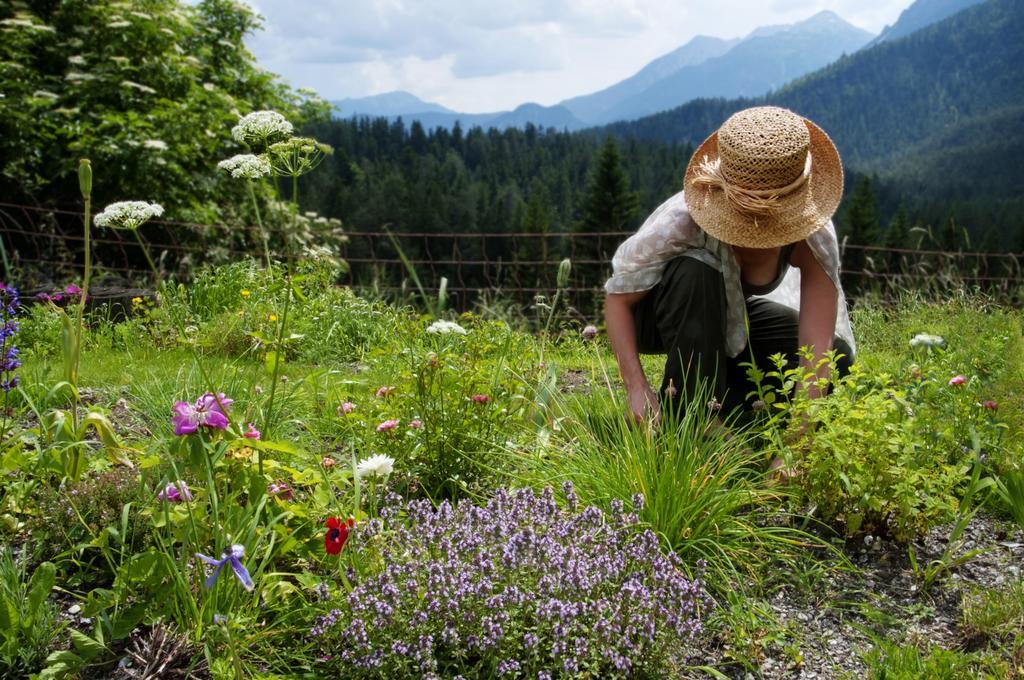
337, 534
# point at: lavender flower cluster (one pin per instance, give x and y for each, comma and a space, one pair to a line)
9, 361
519, 588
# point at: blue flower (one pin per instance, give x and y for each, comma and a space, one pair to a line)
233, 556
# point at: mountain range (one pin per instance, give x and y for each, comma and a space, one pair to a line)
937, 115
765, 59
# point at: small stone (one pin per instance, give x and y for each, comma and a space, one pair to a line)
74, 609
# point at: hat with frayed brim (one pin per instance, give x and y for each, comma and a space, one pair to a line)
765, 178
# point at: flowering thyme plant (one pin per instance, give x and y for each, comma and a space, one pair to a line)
518, 588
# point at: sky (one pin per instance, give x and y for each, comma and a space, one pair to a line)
474, 56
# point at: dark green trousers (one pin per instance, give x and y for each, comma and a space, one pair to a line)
684, 317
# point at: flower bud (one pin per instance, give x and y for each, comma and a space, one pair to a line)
564, 269
85, 177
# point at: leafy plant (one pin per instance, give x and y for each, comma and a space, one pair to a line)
701, 486
517, 586
934, 569
28, 622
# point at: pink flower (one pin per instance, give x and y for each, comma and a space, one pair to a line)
385, 391
346, 408
415, 424
388, 425
957, 380
209, 411
589, 332
281, 490
990, 405
481, 398
72, 289
327, 462
175, 492
251, 432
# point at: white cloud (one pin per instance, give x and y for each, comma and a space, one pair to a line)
475, 56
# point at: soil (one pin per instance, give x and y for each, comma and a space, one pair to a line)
826, 634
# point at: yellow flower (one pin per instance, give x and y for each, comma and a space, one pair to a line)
136, 301
272, 317
241, 453
246, 293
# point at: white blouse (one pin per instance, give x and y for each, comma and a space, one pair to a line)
669, 232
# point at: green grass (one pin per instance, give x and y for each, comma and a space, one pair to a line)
704, 493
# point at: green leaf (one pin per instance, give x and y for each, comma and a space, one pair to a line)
40, 586
271, 362
61, 664
123, 625
9, 619
85, 645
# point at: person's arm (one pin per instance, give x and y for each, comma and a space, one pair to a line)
819, 301
621, 327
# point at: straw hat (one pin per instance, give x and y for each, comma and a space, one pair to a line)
766, 178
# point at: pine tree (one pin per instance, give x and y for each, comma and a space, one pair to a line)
860, 226
608, 205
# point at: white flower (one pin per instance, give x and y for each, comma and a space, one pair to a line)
209, 87
375, 466
157, 144
445, 327
261, 128
21, 22
43, 94
77, 60
246, 166
119, 24
927, 340
128, 214
75, 75
138, 86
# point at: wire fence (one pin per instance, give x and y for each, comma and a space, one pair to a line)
42, 247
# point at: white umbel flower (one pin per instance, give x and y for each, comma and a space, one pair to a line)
246, 166
376, 466
442, 327
128, 214
927, 341
261, 128
157, 144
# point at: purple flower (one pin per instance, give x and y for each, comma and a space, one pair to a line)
209, 411
518, 578
9, 361
388, 425
281, 490
175, 492
346, 408
481, 398
251, 432
232, 556
72, 289
589, 332
957, 380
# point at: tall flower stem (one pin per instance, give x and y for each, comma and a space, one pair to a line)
85, 186
259, 221
149, 258
278, 358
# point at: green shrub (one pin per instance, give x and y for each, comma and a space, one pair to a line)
76, 520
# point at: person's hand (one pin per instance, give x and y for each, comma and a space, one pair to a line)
644, 405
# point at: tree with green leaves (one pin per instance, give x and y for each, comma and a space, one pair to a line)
147, 90
859, 225
608, 205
